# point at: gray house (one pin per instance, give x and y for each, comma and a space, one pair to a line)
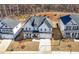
69, 26
38, 27
9, 28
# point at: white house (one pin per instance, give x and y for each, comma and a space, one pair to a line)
9, 28
38, 27
69, 26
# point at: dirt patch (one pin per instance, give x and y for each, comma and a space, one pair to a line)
65, 45
24, 45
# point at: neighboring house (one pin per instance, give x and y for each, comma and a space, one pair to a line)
69, 26
38, 27
9, 28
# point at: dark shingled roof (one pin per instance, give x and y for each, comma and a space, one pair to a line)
65, 19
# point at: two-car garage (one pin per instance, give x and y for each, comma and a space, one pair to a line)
45, 35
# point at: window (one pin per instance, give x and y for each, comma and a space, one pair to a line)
1, 23
67, 34
5, 26
75, 27
29, 28
78, 27
74, 35
27, 34
68, 27
26, 28
41, 29
45, 29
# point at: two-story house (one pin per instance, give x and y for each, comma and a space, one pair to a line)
38, 27
9, 28
69, 26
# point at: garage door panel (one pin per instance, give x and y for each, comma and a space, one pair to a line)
43, 35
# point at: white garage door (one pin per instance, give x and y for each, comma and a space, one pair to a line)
45, 35
7, 36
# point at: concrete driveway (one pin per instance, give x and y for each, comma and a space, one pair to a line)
45, 45
4, 44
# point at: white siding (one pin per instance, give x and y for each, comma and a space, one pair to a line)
24, 34
28, 25
43, 27
0, 24
17, 28
50, 22
61, 25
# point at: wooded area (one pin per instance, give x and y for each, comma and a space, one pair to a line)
11, 9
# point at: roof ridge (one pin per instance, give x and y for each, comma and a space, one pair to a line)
42, 22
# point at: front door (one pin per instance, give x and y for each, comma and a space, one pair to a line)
35, 35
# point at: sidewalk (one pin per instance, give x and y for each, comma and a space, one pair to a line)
4, 44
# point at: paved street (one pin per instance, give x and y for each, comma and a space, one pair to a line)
4, 44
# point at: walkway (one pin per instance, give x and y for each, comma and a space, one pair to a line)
45, 45
4, 44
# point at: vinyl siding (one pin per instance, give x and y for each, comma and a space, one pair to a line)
43, 27
17, 28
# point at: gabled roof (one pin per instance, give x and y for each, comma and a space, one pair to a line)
37, 21
48, 24
0, 22
10, 22
75, 18
65, 19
